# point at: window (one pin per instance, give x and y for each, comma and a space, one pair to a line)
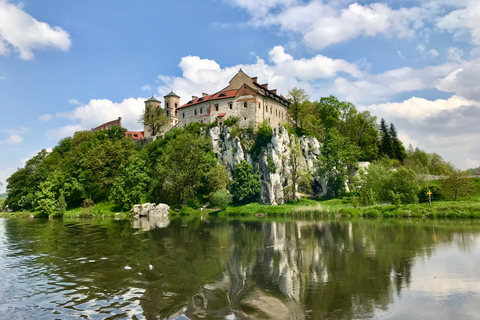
222, 95
176, 104
244, 118
167, 105
216, 107
195, 111
271, 110
183, 115
259, 105
201, 110
201, 99
230, 105
176, 113
244, 104
167, 112
266, 108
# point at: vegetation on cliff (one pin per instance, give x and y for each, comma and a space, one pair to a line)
182, 170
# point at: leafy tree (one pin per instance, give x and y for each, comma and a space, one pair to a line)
130, 185
457, 184
217, 178
45, 198
245, 184
180, 172
300, 177
296, 111
221, 199
154, 120
338, 155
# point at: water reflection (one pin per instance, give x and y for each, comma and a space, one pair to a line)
151, 222
239, 269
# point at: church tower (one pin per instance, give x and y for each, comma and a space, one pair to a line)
150, 104
172, 102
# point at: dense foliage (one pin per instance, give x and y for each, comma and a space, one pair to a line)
181, 169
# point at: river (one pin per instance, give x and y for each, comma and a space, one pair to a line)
214, 268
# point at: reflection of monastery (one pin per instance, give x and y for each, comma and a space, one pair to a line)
244, 98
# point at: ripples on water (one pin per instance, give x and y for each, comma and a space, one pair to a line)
239, 269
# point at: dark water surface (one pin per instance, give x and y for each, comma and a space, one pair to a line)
239, 269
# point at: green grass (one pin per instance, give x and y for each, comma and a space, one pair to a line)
101, 209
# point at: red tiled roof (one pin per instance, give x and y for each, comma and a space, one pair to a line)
211, 97
135, 135
221, 115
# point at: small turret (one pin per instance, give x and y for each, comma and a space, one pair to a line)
172, 102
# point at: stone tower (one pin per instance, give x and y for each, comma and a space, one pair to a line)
172, 102
150, 104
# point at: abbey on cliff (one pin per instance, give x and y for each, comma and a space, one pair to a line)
244, 98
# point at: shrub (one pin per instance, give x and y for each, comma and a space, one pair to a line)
221, 199
271, 165
245, 184
230, 122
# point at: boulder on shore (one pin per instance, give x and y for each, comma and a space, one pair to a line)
150, 210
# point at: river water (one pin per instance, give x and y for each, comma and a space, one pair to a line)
215, 268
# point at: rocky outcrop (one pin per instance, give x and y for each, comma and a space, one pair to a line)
150, 210
274, 161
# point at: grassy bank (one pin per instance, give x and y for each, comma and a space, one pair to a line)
102, 209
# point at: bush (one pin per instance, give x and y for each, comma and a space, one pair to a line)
245, 184
221, 199
230, 122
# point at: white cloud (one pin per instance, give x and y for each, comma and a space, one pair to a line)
45, 117
74, 102
448, 127
5, 173
326, 23
12, 139
97, 112
464, 80
380, 87
284, 73
454, 54
416, 110
433, 53
23, 33
464, 20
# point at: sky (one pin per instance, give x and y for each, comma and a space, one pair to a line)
73, 65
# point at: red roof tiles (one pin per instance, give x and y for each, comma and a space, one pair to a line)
211, 97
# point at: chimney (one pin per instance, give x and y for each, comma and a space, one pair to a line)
204, 94
255, 79
194, 97
274, 91
265, 86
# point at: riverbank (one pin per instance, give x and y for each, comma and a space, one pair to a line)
338, 207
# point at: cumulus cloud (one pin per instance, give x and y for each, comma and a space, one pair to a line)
12, 139
463, 81
325, 23
445, 126
23, 33
463, 20
45, 117
283, 73
97, 112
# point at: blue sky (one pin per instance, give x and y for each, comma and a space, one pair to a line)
72, 65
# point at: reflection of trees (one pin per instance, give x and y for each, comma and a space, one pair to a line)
209, 268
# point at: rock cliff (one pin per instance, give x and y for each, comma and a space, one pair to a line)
274, 162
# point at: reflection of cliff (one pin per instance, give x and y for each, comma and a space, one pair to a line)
212, 268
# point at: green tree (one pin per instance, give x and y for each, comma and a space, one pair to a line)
245, 184
296, 111
300, 177
386, 148
181, 170
338, 155
131, 184
221, 199
217, 178
398, 150
154, 120
457, 184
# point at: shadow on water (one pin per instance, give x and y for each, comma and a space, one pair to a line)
212, 268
